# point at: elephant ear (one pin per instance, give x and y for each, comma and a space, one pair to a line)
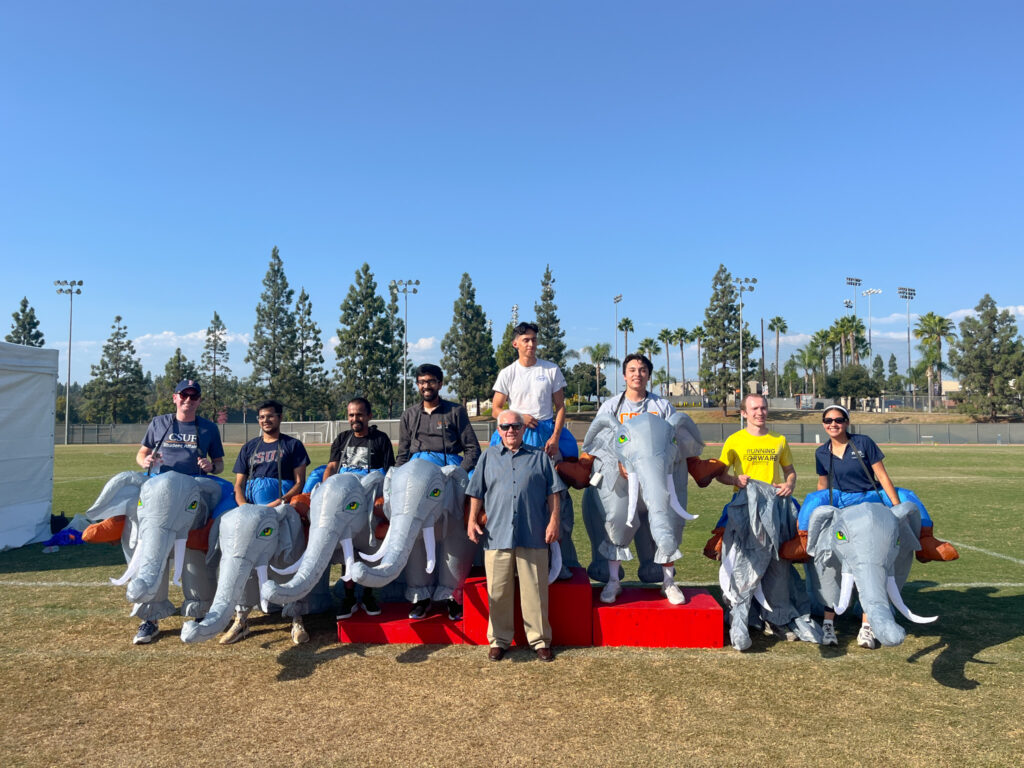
291, 538
818, 541
388, 479
457, 482
599, 435
909, 517
688, 439
118, 497
213, 550
373, 484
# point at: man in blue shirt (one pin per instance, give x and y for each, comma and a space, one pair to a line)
520, 489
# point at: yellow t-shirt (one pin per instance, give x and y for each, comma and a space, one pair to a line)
762, 458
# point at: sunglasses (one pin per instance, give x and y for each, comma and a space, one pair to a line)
507, 427
837, 420
188, 395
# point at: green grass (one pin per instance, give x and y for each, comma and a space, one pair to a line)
77, 693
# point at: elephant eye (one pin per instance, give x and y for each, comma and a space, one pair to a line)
266, 532
623, 439
840, 536
193, 505
140, 502
435, 493
353, 505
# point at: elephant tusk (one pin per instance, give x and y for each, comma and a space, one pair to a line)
130, 571
759, 596
673, 501
350, 558
633, 485
261, 574
725, 574
556, 561
179, 560
429, 546
897, 599
288, 570
845, 593
376, 557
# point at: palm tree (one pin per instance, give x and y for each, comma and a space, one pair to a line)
808, 358
777, 324
698, 334
626, 325
600, 355
681, 337
821, 343
648, 347
932, 330
668, 338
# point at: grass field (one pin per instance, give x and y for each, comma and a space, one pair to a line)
75, 692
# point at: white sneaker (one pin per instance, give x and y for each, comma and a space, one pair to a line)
828, 634
299, 633
673, 593
866, 638
611, 591
239, 630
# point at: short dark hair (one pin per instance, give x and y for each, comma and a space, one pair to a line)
363, 402
429, 369
749, 395
642, 358
278, 408
524, 328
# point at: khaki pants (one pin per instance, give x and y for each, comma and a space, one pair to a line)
532, 567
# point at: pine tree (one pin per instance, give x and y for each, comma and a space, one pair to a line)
506, 354
468, 358
989, 358
878, 373
272, 349
550, 344
117, 391
719, 369
214, 365
25, 328
310, 388
179, 367
366, 364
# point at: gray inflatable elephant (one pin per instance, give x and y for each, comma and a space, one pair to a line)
759, 521
649, 507
868, 547
248, 538
159, 511
340, 523
425, 504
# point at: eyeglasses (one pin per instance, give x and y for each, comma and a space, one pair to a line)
837, 420
427, 383
507, 427
188, 395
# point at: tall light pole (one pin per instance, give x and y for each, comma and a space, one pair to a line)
908, 294
743, 284
854, 282
405, 287
869, 293
615, 335
70, 287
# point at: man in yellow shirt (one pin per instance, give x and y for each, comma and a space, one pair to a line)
756, 453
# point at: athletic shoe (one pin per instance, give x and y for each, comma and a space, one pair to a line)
783, 633
348, 605
148, 630
828, 634
611, 591
673, 593
369, 603
299, 633
866, 638
239, 630
420, 609
455, 610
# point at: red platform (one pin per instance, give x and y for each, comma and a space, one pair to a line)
569, 611
394, 626
642, 617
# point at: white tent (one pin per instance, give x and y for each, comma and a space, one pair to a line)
28, 388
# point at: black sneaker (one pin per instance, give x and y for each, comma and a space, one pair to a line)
420, 609
454, 610
348, 605
369, 603
147, 633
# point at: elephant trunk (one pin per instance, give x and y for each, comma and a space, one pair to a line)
393, 554
234, 572
149, 560
874, 600
654, 479
308, 569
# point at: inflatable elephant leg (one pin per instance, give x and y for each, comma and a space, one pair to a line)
318, 600
160, 607
198, 583
453, 564
593, 521
566, 522
419, 585
648, 571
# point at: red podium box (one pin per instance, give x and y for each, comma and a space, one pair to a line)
642, 617
394, 626
569, 611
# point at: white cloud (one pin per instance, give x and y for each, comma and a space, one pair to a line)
424, 345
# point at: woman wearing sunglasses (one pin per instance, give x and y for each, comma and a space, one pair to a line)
857, 470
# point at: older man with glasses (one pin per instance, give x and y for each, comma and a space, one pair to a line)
438, 431
518, 486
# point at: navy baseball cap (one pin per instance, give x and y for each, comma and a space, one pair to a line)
188, 384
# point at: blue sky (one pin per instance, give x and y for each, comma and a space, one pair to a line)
158, 151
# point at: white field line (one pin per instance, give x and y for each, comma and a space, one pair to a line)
978, 584
77, 479
1016, 560
91, 584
